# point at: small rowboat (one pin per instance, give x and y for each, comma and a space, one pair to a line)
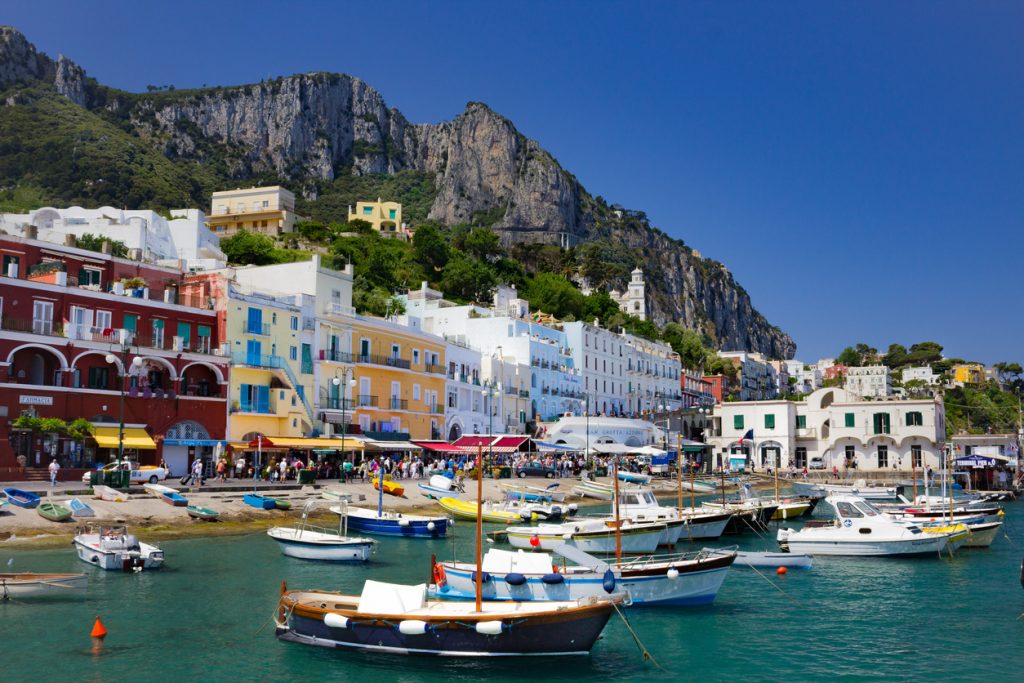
166, 494
206, 514
335, 495
108, 494
391, 488
22, 499
53, 512
3, 504
25, 585
257, 501
282, 504
634, 478
468, 510
80, 509
750, 558
435, 493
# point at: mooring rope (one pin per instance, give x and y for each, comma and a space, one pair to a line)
790, 597
648, 657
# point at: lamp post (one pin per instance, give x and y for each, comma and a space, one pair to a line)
343, 382
587, 411
492, 390
124, 349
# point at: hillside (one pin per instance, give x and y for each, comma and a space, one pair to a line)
65, 138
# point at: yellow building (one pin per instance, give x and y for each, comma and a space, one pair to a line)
969, 373
383, 216
272, 369
266, 210
398, 373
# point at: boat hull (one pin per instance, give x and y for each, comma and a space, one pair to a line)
22, 499
202, 513
259, 502
25, 585
120, 560
982, 535
389, 526
634, 541
568, 634
930, 545
345, 550
80, 509
53, 512
648, 584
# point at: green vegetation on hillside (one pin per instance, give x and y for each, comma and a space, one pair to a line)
414, 190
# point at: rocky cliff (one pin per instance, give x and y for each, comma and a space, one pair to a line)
310, 128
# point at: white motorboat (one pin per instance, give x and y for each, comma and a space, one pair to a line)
586, 488
861, 529
309, 542
26, 585
392, 523
681, 580
111, 495
859, 488
589, 535
641, 505
334, 495
531, 511
982, 534
534, 493
112, 547
754, 558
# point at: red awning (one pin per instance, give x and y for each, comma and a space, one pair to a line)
439, 447
510, 442
473, 441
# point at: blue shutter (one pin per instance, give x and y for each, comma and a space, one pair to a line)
245, 398
263, 399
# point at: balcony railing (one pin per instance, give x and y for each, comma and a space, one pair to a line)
331, 308
434, 369
365, 401
398, 403
261, 329
435, 408
33, 326
336, 356
257, 360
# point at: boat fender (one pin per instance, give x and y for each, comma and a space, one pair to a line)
336, 620
440, 578
515, 579
490, 628
525, 515
672, 573
608, 582
431, 526
553, 578
413, 627
403, 522
485, 576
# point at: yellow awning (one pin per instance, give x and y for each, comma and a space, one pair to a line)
351, 443
134, 437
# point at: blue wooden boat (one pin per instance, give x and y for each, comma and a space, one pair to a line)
23, 499
175, 499
435, 493
391, 523
80, 509
257, 501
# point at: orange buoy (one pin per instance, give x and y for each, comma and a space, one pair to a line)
781, 570
98, 629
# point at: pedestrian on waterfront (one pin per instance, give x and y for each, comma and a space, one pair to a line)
197, 471
54, 469
283, 469
165, 468
240, 467
835, 472
222, 469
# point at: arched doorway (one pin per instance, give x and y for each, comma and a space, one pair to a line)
455, 432
184, 442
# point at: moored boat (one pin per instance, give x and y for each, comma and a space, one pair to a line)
534, 494
29, 585
53, 512
80, 509
391, 523
465, 509
754, 558
109, 494
859, 488
20, 498
309, 542
589, 535
593, 489
282, 504
634, 477
199, 512
111, 547
435, 493
391, 488
166, 494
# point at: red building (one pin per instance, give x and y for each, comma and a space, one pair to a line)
834, 371
718, 386
696, 389
63, 312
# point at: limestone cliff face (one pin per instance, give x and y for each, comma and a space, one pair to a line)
311, 127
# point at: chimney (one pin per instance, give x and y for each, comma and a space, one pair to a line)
107, 247
70, 240
31, 232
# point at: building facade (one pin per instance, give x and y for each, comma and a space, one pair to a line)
967, 373
600, 356
831, 428
68, 311
756, 379
385, 217
634, 300
869, 381
264, 210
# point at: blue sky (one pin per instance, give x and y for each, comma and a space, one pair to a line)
858, 166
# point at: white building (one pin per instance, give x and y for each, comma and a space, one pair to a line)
466, 405
512, 405
758, 380
653, 376
808, 377
634, 300
922, 374
601, 356
869, 381
831, 428
148, 235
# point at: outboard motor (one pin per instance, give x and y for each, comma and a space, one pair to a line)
131, 542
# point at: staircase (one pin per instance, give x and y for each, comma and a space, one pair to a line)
37, 474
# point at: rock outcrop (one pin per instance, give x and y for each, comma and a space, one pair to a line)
309, 128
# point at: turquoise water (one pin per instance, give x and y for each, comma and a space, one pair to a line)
207, 617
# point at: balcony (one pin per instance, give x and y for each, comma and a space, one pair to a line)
33, 326
436, 409
331, 308
260, 329
365, 401
396, 403
257, 360
434, 369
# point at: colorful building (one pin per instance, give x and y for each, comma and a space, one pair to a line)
384, 216
968, 373
64, 312
265, 210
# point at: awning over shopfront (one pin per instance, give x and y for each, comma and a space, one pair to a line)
440, 447
134, 437
391, 445
555, 447
269, 443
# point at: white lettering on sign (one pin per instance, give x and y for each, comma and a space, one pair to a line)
35, 400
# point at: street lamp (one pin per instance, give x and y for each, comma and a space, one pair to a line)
344, 382
492, 390
111, 358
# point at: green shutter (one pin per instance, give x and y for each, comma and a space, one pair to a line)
801, 421
737, 422
849, 420
203, 331
769, 421
914, 419
131, 322
184, 331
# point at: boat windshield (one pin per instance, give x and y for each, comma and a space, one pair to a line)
629, 499
847, 510
648, 498
867, 508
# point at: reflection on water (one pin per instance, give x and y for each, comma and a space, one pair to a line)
207, 617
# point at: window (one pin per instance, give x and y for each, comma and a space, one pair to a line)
851, 454
915, 456
293, 353
801, 422
104, 320
915, 419
131, 322
883, 456
737, 422
881, 423
266, 203
158, 332
99, 378
769, 422
849, 420
273, 318
42, 317
89, 277
415, 356
254, 321
295, 322
847, 510
203, 338
364, 348
11, 261
185, 332
801, 457
415, 392
367, 210
391, 214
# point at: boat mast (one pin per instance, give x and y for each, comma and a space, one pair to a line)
913, 475
949, 477
618, 520
693, 490
479, 525
679, 472
380, 487
778, 461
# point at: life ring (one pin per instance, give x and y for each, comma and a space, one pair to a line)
439, 576
558, 570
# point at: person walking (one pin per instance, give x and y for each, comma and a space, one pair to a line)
54, 469
197, 471
240, 467
283, 469
222, 470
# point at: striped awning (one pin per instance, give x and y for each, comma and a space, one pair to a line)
268, 443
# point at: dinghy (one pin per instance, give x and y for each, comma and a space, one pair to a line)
53, 512
390, 487
27, 585
205, 514
751, 558
166, 494
23, 499
435, 493
309, 542
468, 510
108, 494
261, 502
593, 489
80, 509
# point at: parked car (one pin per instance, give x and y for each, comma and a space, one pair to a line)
817, 464
531, 470
140, 474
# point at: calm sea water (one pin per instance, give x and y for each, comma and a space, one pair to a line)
207, 617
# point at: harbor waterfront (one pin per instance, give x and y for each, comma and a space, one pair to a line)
207, 615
